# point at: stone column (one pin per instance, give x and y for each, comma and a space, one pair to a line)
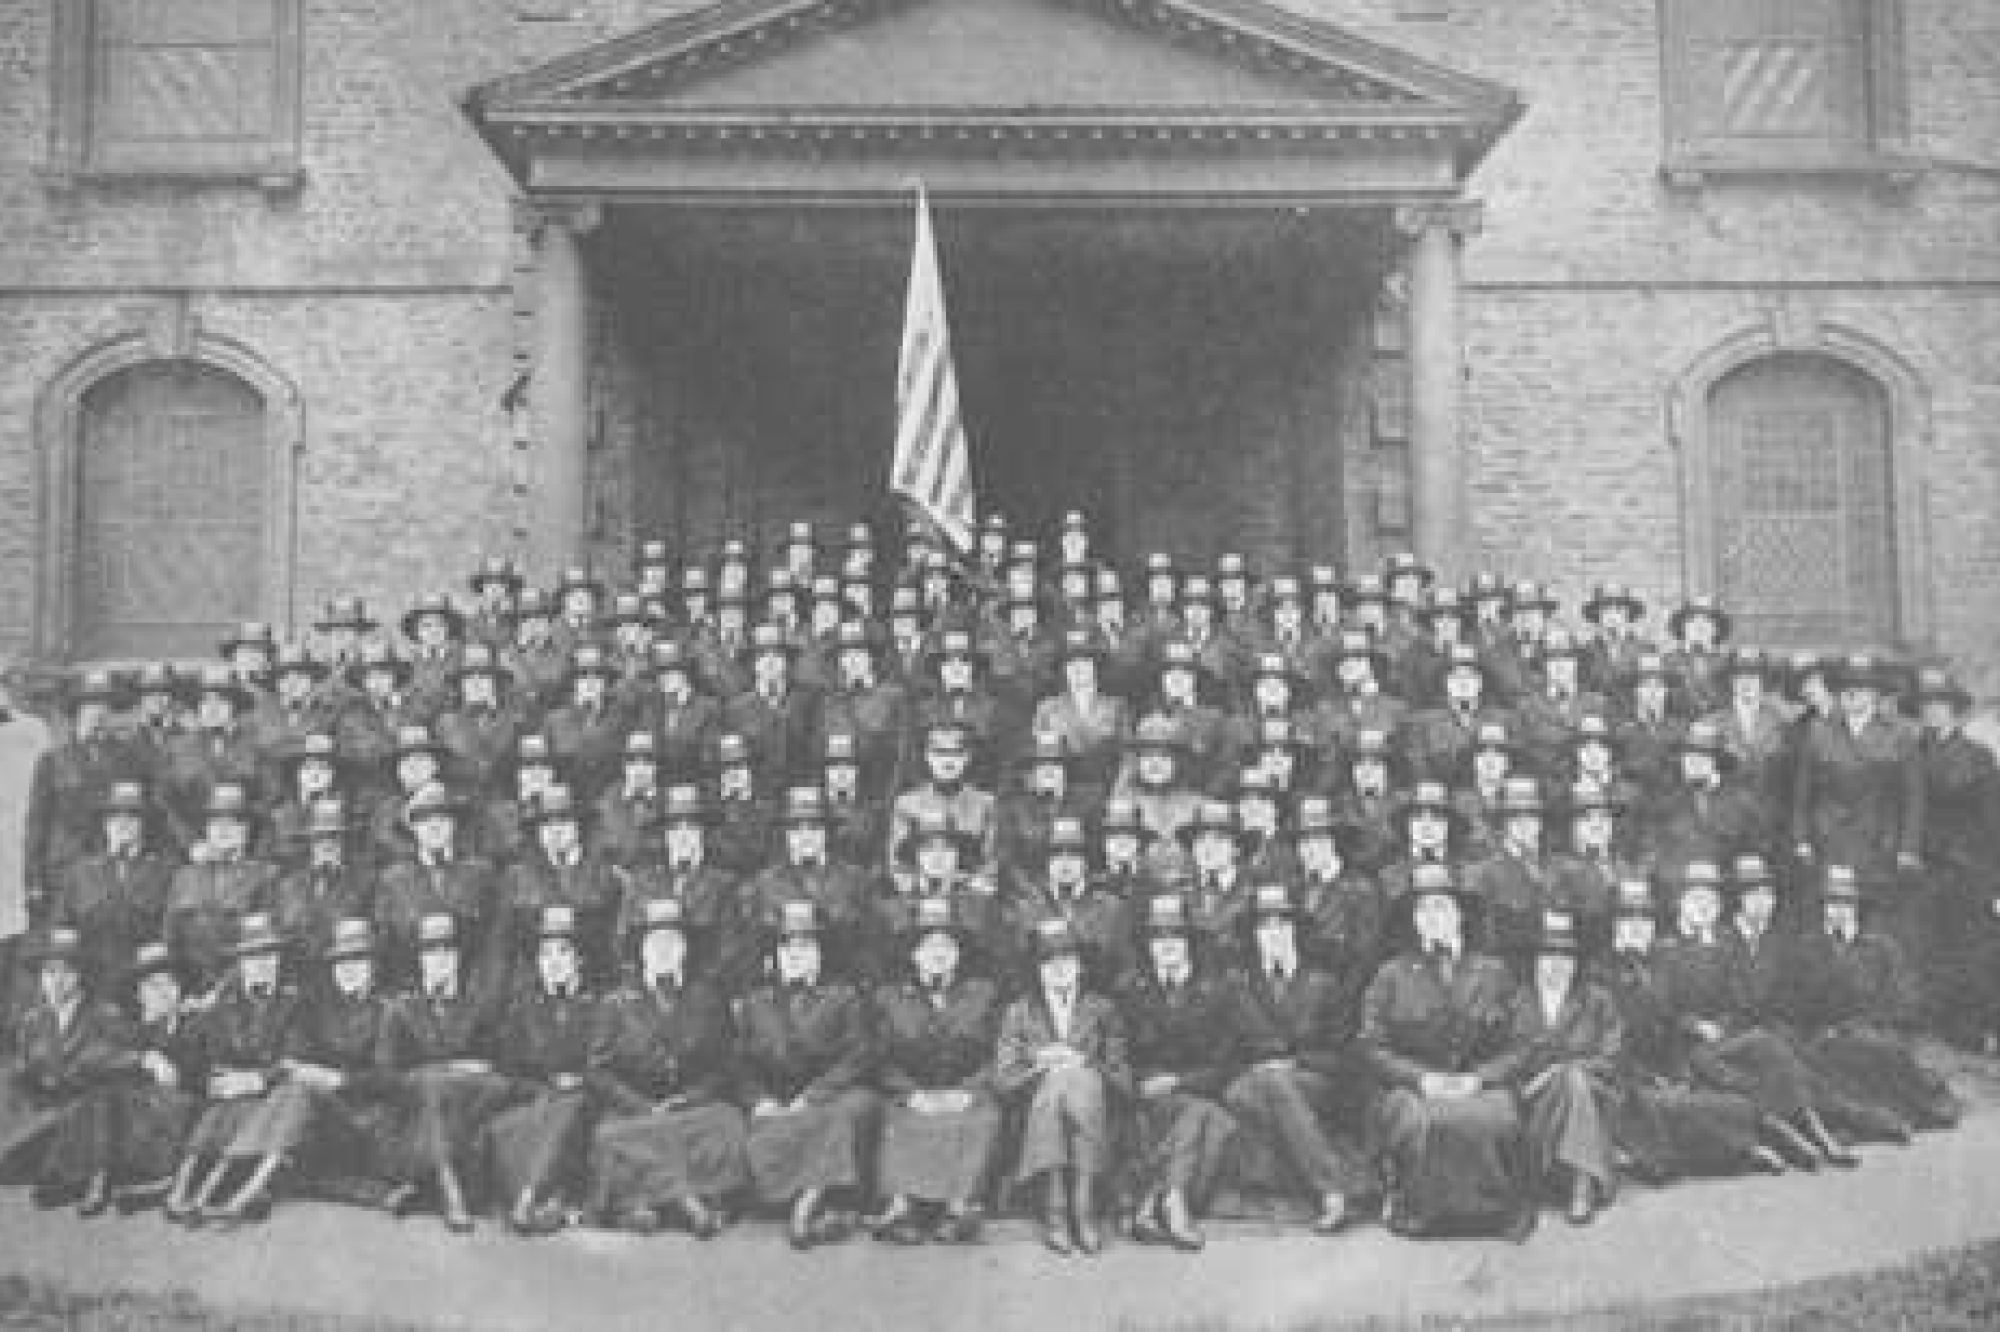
559, 391
1441, 516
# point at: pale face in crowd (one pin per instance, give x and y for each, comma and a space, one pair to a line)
1075, 545
674, 684
1121, 848
1593, 756
1530, 621
1068, 868
559, 838
1747, 690
1353, 673
1613, 619
417, 770
632, 637
955, 674
1076, 585
1858, 705
556, 963
1160, 591
684, 843
438, 970
857, 668
1319, 853
250, 662
327, 851
1428, 830
1698, 633
579, 605
730, 617
1756, 905
433, 632
340, 640
1080, 673
947, 766
1560, 672
1287, 618
214, 712
937, 859
805, 843
1447, 630
1490, 766
122, 832
61, 982
1650, 694
734, 781
663, 952
1214, 851
1170, 953
227, 838
378, 684
641, 775
1372, 615
1048, 779
294, 688
1272, 694
1701, 908
1437, 921
935, 956
842, 780
1632, 934
1698, 769
1371, 775
434, 834
259, 972
1842, 919
1555, 971
1462, 686
1257, 812
1939, 715
1592, 829
798, 958
159, 996
1177, 686
531, 780
783, 607
587, 691
825, 616
1059, 973
1523, 832
1023, 617
532, 630
1198, 616
353, 976
315, 778
1276, 938
1111, 613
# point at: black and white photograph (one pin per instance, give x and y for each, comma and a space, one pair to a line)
999, 665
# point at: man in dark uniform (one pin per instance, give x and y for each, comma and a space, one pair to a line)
115, 898
1960, 847
627, 823
587, 729
209, 896
435, 631
776, 715
1063, 887
495, 584
481, 724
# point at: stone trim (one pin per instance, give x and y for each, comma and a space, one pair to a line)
58, 427
1791, 330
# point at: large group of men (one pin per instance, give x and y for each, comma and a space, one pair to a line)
883, 893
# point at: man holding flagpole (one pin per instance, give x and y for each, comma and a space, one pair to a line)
933, 466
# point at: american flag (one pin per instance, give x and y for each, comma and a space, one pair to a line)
933, 466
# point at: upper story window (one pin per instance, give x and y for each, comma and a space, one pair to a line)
1783, 86
179, 88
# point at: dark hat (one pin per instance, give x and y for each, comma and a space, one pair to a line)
1697, 875
256, 933
1860, 670
669, 654
494, 569
56, 943
101, 687
1364, 589
1315, 818
327, 817
732, 750
640, 746
1527, 594
558, 804
587, 660
956, 643
1613, 594
1079, 644
842, 748
1465, 657
353, 937
532, 749
946, 739
556, 922
1558, 934
804, 805
1166, 914
229, 800
417, 739
1935, 684
1121, 815
1587, 795
853, 636
1283, 587
378, 656
1592, 729
432, 800
1426, 796
1274, 666
160, 677
1702, 605
575, 578
124, 797
433, 603
250, 633
630, 608
1273, 899
1323, 579
1217, 816
694, 578
1493, 735
152, 958
436, 931
1840, 884
1702, 737
684, 803
293, 659
1403, 564
1650, 665
1045, 747
1231, 564
799, 916
1197, 588
1370, 742
220, 680
1067, 833
1256, 780
1159, 564
346, 613
478, 659
1521, 795
1635, 899
930, 915
1429, 878
1748, 871
661, 913
1055, 937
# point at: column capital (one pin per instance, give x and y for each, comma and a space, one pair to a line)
1461, 218
532, 217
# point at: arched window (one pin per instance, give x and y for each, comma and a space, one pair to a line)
172, 502
1804, 505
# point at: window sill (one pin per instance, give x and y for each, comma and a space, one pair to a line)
272, 179
1695, 171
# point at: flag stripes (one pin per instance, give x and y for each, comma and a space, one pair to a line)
932, 466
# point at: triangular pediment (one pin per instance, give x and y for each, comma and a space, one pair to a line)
786, 61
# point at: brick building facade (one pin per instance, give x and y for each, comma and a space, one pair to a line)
1701, 296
